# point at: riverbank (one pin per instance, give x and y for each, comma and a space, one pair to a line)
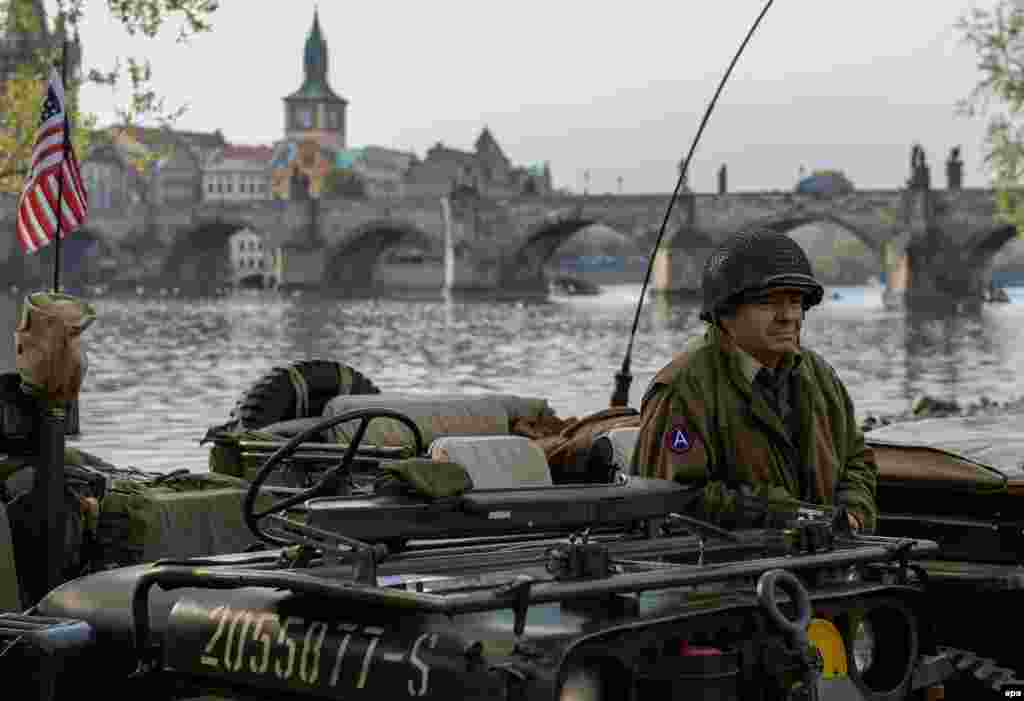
925, 407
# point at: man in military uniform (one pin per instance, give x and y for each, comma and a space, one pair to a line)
753, 421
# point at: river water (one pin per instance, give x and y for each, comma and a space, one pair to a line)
163, 369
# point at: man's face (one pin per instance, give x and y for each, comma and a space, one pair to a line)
769, 326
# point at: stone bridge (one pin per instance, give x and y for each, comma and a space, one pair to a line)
928, 240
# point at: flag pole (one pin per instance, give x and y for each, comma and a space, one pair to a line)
60, 180
49, 485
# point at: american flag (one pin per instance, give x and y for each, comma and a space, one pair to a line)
53, 160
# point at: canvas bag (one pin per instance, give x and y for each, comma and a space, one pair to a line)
48, 348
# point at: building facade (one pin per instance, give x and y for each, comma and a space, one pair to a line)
156, 166
111, 181
237, 174
382, 170
486, 170
253, 264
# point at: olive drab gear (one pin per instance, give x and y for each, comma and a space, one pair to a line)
704, 425
430, 478
48, 352
755, 260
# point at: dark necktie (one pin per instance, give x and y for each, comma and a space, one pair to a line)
774, 390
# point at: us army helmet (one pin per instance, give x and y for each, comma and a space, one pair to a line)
752, 261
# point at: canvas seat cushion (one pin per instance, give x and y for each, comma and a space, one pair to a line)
495, 462
434, 416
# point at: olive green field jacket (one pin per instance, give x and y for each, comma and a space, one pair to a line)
703, 425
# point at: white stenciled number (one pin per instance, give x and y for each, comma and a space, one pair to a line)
264, 640
342, 649
229, 639
422, 667
374, 634
309, 663
220, 614
284, 671
246, 619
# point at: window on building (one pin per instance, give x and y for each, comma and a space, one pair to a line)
229, 188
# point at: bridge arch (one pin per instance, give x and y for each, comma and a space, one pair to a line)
349, 265
838, 266
199, 259
786, 223
524, 267
984, 247
88, 258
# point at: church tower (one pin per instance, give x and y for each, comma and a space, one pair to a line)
314, 111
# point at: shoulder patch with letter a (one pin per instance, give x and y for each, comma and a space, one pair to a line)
677, 439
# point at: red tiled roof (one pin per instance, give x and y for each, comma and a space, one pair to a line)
248, 153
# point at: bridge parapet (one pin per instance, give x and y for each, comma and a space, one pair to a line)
506, 242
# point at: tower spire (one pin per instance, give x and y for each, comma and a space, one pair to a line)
314, 107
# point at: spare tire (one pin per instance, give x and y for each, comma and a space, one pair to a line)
297, 391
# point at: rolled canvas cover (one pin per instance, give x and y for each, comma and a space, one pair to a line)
434, 416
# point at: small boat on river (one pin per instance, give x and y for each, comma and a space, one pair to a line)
573, 286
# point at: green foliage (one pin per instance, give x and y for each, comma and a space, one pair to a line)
997, 35
148, 16
22, 98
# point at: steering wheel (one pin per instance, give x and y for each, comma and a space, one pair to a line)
253, 517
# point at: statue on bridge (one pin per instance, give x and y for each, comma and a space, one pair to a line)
954, 170
685, 187
920, 175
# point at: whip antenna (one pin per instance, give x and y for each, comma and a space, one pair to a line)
623, 379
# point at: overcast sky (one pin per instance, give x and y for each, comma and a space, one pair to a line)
616, 88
